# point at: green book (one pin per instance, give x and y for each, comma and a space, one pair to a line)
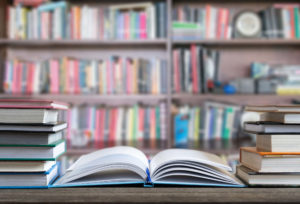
157, 116
297, 26
32, 152
185, 25
134, 124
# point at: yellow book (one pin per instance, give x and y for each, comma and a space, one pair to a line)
134, 76
23, 33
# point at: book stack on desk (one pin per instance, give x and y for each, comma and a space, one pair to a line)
31, 139
276, 158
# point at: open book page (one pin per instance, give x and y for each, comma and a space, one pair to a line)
116, 164
190, 167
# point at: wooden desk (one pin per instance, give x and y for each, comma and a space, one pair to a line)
152, 195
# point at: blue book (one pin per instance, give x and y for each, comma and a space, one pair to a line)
127, 165
29, 179
181, 125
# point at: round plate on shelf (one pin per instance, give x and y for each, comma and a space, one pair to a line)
247, 24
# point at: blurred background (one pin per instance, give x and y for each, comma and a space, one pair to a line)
152, 74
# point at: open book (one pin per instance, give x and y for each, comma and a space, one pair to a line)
128, 165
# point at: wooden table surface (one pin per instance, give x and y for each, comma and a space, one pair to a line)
151, 195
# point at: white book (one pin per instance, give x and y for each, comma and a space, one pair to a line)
274, 179
286, 23
29, 179
124, 165
31, 116
32, 152
12, 21
26, 166
278, 143
120, 115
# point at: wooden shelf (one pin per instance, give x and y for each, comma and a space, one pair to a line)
243, 99
147, 42
240, 42
150, 42
93, 98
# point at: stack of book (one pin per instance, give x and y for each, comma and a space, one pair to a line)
276, 158
31, 139
114, 75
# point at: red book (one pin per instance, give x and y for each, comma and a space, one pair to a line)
219, 23
30, 75
195, 79
292, 20
143, 25
29, 103
141, 124
152, 128
112, 127
29, 2
207, 20
226, 23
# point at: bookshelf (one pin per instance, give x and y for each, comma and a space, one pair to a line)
236, 57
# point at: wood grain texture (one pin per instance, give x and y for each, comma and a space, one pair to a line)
152, 195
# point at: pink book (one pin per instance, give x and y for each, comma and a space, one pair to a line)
14, 81
19, 78
143, 25
30, 103
127, 26
101, 23
195, 79
101, 128
54, 76
97, 129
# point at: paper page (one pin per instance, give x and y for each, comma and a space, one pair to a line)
120, 150
172, 155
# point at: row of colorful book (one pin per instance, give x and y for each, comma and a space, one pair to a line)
213, 121
31, 141
98, 127
206, 22
281, 21
116, 75
60, 20
275, 159
195, 69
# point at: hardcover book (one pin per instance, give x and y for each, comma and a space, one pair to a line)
128, 165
